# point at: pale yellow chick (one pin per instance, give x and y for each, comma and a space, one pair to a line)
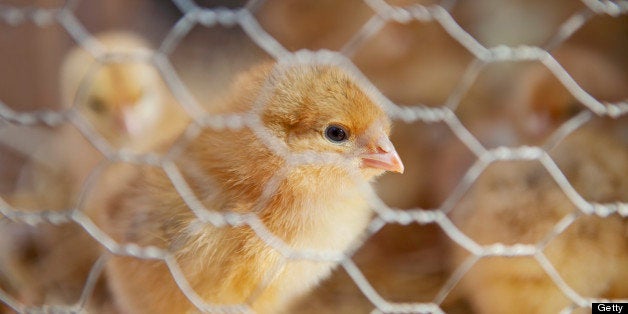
519, 202
310, 109
126, 101
131, 107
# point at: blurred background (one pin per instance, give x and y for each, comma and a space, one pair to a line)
412, 62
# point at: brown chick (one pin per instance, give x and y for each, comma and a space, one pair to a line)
316, 206
126, 103
519, 202
125, 100
541, 101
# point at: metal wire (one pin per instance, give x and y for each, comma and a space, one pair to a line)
194, 15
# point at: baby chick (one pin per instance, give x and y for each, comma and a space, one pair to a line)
542, 103
126, 103
126, 100
315, 109
519, 202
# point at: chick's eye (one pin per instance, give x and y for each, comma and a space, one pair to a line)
97, 105
336, 134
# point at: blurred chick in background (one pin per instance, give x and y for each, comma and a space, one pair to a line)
316, 206
126, 100
130, 106
542, 103
532, 105
519, 202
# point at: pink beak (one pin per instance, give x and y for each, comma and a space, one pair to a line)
384, 157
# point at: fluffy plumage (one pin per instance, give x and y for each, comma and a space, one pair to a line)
316, 206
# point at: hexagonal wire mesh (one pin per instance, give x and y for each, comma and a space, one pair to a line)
250, 21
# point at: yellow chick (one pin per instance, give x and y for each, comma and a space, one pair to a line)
130, 106
519, 202
316, 109
542, 103
125, 100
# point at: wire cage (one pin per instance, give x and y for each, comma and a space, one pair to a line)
510, 118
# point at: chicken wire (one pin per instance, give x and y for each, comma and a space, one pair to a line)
194, 15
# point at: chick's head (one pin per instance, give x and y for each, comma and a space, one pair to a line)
123, 98
320, 109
